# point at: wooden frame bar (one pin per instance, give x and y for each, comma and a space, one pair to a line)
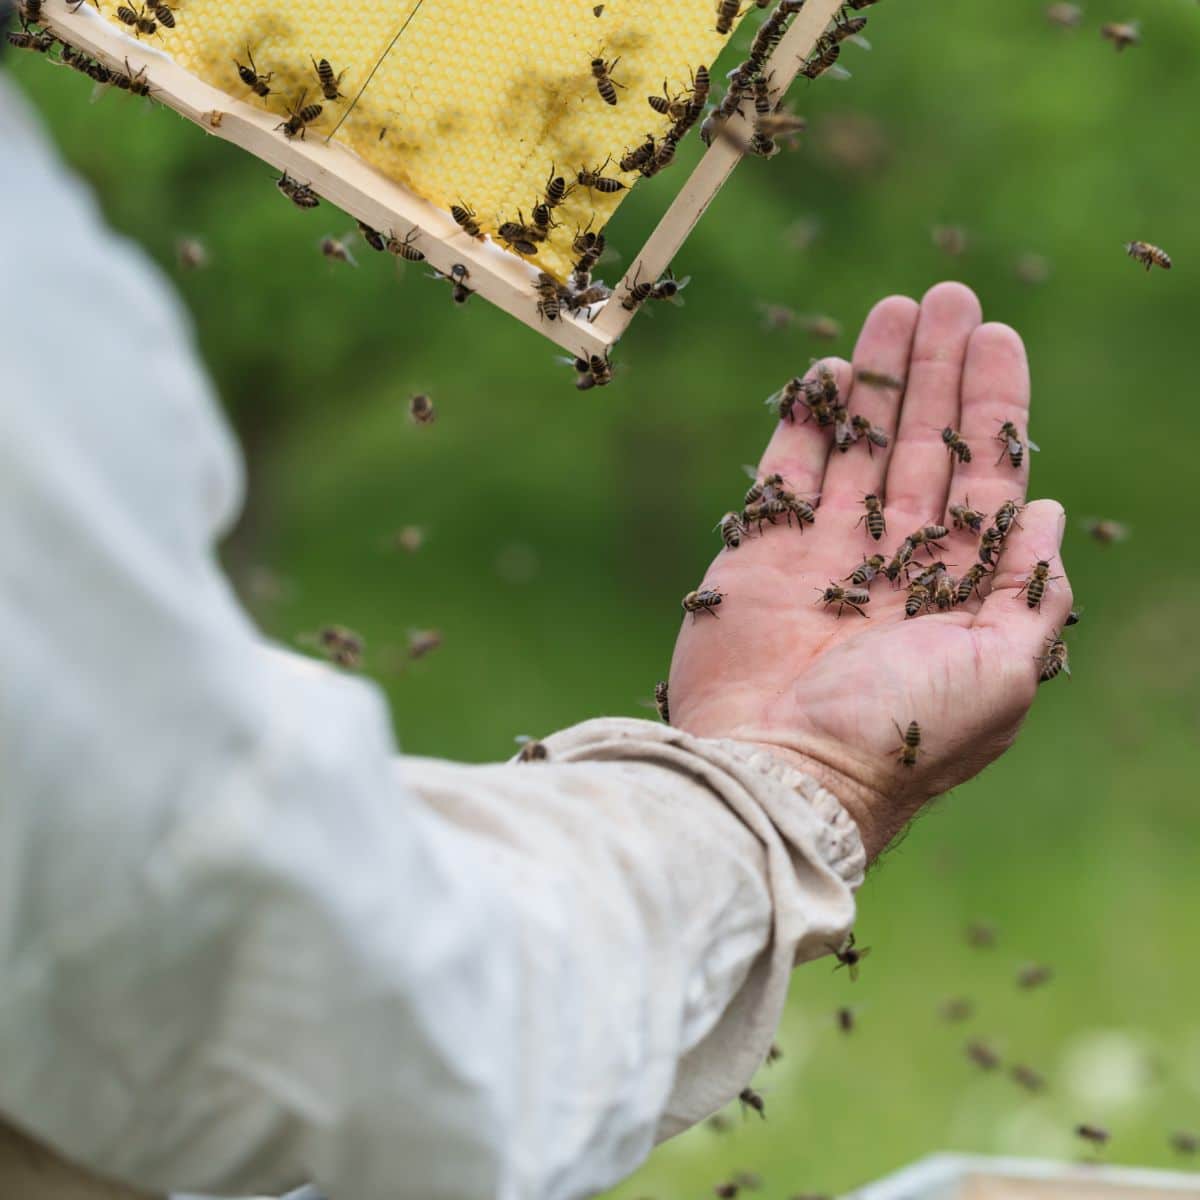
341, 177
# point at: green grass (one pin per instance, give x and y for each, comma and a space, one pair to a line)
1081, 843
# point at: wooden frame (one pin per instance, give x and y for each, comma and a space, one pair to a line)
341, 177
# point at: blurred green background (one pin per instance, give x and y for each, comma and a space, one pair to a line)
562, 529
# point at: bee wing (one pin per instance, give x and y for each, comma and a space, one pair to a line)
860, 41
835, 72
752, 472
1031, 445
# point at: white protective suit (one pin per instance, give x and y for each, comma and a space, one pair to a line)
243, 943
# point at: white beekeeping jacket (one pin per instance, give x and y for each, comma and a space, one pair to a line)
244, 944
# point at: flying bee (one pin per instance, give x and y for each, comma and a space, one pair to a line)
1035, 586
957, 1008
916, 599
981, 935
784, 400
864, 429
1054, 661
557, 189
464, 218
606, 85
732, 530
762, 145
1106, 532
963, 516
990, 544
845, 1019
705, 600
250, 75
929, 536
595, 180
675, 107
781, 125
881, 379
1014, 447
339, 644
602, 372
701, 85
726, 1191
336, 250
1121, 33
728, 11
330, 83
972, 577
749, 1098
405, 249
956, 445
1033, 975
372, 237
873, 518
1096, 1134
532, 750
661, 702
137, 20
851, 597
1006, 516
421, 410
1028, 1078
950, 239
1064, 14
1150, 255
300, 117
774, 1054
982, 1055
849, 955
1183, 1142
300, 194
865, 572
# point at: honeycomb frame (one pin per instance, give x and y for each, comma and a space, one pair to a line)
345, 180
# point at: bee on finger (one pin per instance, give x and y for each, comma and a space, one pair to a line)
300, 117
930, 537
704, 600
963, 516
259, 82
464, 218
900, 560
1014, 447
330, 83
1006, 517
955, 444
1121, 33
880, 379
873, 518
844, 434
606, 85
845, 1019
989, 545
596, 181
1034, 588
732, 530
872, 433
1149, 255
851, 597
784, 401
972, 577
848, 956
1054, 661
916, 599
865, 572
661, 702
910, 743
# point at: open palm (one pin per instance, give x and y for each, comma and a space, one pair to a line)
781, 669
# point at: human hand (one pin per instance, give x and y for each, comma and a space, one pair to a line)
780, 669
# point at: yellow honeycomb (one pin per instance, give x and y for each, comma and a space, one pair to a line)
471, 101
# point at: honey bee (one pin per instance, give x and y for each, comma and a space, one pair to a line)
972, 577
1014, 447
981, 935
726, 1191
1074, 616
1054, 661
675, 107
254, 79
1006, 516
728, 11
1032, 269
963, 516
989, 545
928, 536
134, 82
668, 288
409, 539
774, 1054
732, 530
595, 180
945, 592
519, 237
464, 218
822, 58
851, 597
163, 13
458, 277
1096, 1134
701, 85
661, 702
557, 189
550, 296
405, 249
820, 326
873, 518
1034, 975
1183, 1142
606, 85
784, 400
719, 1123
982, 1055
300, 195
590, 247
957, 1008
749, 1098
950, 239
843, 432
300, 116
916, 599
1150, 255
372, 237
39, 41
29, 12
137, 20
1064, 15
900, 560
849, 955
762, 146
1035, 586
340, 645
330, 83
636, 293
956, 445
336, 250
845, 1019
1121, 33
1028, 1078
706, 600
422, 642
532, 750
421, 410
642, 154
782, 124
865, 572
864, 429
910, 744
602, 371
1106, 532
806, 513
